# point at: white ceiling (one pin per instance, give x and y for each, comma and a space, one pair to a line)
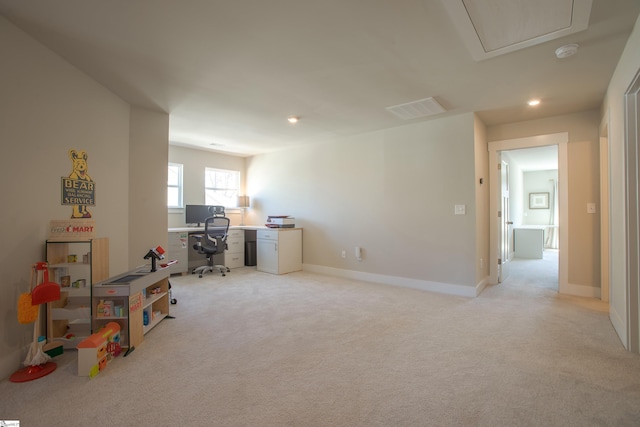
495, 27
230, 72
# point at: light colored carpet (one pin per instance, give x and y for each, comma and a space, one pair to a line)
254, 349
541, 273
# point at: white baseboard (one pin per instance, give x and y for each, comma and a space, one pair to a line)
481, 285
581, 291
424, 285
619, 325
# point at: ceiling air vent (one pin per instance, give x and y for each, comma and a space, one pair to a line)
417, 109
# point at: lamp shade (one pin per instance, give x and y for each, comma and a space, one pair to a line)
243, 201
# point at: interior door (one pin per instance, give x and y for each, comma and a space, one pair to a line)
506, 223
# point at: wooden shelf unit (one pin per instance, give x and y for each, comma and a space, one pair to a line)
72, 313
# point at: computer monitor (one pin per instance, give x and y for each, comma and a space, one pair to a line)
196, 214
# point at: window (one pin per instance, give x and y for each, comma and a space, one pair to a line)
221, 187
174, 186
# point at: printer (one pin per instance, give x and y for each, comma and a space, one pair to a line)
280, 221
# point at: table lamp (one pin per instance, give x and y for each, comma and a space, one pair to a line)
243, 202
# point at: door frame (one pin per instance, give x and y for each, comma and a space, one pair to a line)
559, 139
632, 212
605, 194
505, 230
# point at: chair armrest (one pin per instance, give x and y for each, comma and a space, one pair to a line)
199, 238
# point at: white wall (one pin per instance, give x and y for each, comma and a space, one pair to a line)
148, 159
537, 182
48, 107
583, 183
195, 162
390, 192
613, 117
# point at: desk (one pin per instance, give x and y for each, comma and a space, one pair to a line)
181, 249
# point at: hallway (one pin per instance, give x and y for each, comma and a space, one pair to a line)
541, 273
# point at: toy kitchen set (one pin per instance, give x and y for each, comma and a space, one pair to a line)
136, 300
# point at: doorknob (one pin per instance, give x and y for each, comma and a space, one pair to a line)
509, 222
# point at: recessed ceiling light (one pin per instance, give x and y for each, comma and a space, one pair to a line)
293, 119
533, 102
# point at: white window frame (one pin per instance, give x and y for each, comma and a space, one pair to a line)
227, 193
179, 185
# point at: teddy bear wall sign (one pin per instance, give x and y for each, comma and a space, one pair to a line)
78, 189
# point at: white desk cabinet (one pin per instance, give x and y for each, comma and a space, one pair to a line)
178, 250
279, 250
234, 254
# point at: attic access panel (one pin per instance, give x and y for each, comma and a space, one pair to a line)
494, 27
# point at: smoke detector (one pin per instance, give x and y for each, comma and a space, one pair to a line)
566, 51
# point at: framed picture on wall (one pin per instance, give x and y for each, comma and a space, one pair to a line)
538, 200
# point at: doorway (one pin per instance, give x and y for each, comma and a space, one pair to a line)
533, 215
496, 148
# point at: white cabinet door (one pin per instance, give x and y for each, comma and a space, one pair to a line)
279, 251
267, 256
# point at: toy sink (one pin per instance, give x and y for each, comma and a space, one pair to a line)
132, 281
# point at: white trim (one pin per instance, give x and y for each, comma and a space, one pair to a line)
179, 186
561, 140
605, 210
482, 284
404, 282
563, 207
582, 291
529, 142
632, 211
619, 324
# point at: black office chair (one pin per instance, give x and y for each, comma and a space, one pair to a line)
212, 242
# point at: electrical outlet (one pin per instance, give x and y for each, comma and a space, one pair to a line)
459, 209
344, 253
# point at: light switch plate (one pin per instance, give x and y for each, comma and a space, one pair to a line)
591, 208
460, 209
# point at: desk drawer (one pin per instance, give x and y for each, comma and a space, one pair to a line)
235, 233
235, 244
234, 260
267, 235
